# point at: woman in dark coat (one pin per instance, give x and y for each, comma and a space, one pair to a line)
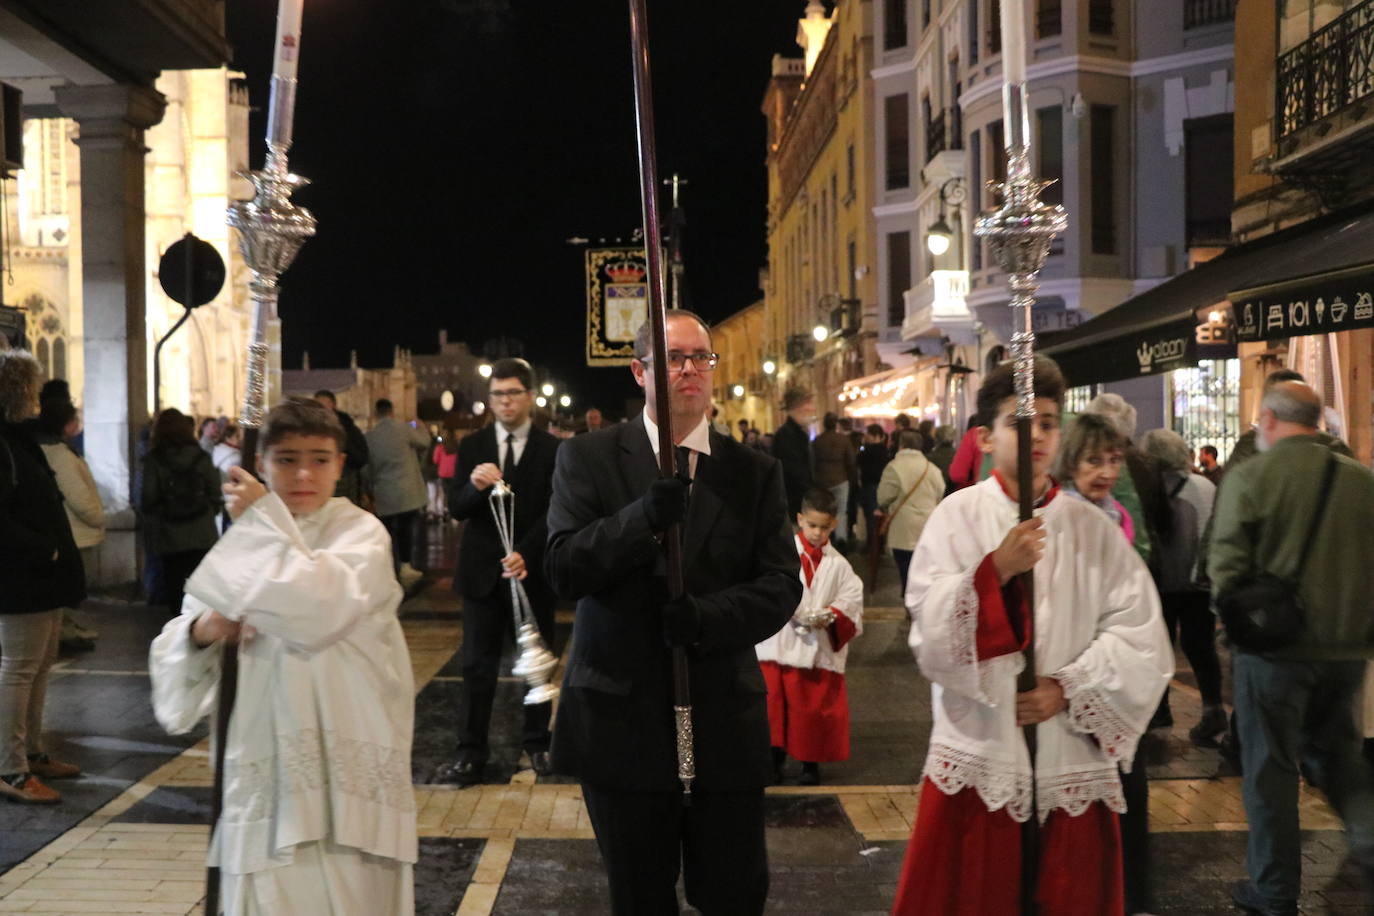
180, 499
41, 571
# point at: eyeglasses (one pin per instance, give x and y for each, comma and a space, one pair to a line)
507, 394
704, 362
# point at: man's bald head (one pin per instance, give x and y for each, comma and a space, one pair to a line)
1295, 403
1288, 409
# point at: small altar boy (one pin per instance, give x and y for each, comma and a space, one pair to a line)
319, 813
803, 663
1102, 659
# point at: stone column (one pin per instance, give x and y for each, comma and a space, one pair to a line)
111, 120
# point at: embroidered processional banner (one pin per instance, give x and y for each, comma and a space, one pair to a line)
617, 303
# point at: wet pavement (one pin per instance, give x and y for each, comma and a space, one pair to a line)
129, 837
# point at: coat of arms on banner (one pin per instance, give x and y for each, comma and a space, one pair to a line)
617, 304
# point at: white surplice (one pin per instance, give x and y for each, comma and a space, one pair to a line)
834, 585
319, 742
1098, 631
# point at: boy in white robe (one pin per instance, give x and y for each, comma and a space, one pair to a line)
319, 811
1105, 657
803, 663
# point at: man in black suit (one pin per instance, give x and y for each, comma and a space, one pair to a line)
615, 729
510, 449
792, 445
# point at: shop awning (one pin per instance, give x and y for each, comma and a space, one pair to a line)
885, 394
1278, 278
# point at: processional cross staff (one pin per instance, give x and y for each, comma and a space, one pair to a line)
271, 232
653, 250
1020, 233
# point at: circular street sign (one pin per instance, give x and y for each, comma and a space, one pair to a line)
194, 258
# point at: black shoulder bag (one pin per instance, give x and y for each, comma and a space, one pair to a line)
1264, 612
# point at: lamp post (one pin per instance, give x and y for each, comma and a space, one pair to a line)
940, 235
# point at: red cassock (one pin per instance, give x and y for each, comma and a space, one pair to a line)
964, 860
808, 708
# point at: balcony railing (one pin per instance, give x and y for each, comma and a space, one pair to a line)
944, 131
1330, 71
1197, 13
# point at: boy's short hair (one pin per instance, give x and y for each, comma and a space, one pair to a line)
1087, 434
1000, 384
300, 417
1208, 450
819, 499
516, 368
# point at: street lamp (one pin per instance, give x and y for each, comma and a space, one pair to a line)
565, 400
769, 367
820, 332
737, 391
542, 401
478, 408
547, 390
484, 370
940, 235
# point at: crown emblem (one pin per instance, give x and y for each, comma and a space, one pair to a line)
625, 272
1145, 354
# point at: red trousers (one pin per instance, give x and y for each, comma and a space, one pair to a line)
808, 712
964, 860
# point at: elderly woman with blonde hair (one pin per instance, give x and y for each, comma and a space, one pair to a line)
41, 569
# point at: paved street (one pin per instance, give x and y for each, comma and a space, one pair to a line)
130, 836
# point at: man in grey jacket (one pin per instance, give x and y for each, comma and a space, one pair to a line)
1297, 703
398, 487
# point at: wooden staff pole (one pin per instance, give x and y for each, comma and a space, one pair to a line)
653, 246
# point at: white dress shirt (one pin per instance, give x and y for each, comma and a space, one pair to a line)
522, 436
698, 441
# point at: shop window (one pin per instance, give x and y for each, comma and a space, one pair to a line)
1204, 405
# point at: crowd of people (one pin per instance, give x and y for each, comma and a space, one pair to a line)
1136, 541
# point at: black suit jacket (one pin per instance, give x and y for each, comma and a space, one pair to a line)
480, 553
615, 718
792, 446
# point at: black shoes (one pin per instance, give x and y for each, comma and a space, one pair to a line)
539, 762
1247, 897
810, 774
463, 772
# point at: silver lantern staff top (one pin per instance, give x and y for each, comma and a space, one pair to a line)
536, 662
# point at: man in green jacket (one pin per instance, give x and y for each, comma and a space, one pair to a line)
1299, 701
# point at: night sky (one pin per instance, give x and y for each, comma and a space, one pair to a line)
454, 145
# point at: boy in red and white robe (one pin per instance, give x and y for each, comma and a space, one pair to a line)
803, 663
1105, 657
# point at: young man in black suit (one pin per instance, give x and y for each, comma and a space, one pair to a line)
510, 449
615, 729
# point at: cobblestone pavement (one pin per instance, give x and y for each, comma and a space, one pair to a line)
130, 836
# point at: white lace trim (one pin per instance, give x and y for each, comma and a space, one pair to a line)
999, 786
964, 636
1074, 792
1092, 713
372, 772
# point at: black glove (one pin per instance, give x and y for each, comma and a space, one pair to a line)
682, 622
665, 503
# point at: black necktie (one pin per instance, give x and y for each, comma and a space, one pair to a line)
508, 466
684, 462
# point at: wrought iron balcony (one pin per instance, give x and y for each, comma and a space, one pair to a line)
1328, 73
1198, 13
944, 131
